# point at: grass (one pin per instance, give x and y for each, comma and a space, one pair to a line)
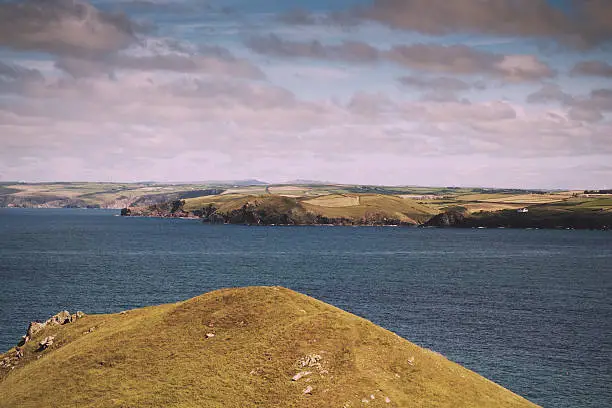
160, 356
349, 206
514, 198
480, 206
404, 210
335, 200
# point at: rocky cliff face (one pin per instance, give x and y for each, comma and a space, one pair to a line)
172, 209
450, 218
546, 217
268, 210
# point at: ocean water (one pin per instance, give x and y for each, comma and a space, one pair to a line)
529, 309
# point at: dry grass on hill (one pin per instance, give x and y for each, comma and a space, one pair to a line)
476, 207
165, 356
350, 206
335, 200
392, 206
514, 198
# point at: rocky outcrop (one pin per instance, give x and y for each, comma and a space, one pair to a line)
447, 219
60, 318
11, 361
46, 343
171, 209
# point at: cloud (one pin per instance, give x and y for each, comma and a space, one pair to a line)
129, 124
585, 115
350, 51
589, 23
524, 68
455, 59
69, 27
18, 72
468, 112
14, 78
599, 99
550, 93
438, 83
298, 17
208, 64
430, 111
461, 59
458, 59
440, 89
373, 104
136, 98
592, 68
586, 108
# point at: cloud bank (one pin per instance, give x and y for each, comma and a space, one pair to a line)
468, 90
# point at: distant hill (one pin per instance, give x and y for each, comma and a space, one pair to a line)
300, 182
241, 183
249, 347
273, 209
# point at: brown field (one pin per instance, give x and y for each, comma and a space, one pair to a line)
529, 199
334, 200
514, 198
404, 210
476, 207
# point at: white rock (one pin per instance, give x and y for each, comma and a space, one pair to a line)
47, 342
300, 375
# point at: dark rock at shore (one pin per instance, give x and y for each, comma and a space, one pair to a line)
536, 217
447, 219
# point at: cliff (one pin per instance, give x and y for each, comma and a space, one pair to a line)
278, 210
545, 217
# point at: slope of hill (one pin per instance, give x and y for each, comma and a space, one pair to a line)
353, 209
249, 347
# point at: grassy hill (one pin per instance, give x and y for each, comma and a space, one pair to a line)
239, 348
352, 207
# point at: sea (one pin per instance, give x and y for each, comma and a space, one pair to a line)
528, 309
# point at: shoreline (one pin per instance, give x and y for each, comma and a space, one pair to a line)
470, 222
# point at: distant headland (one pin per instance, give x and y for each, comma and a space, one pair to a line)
305, 203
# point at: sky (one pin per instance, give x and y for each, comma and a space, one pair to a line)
489, 93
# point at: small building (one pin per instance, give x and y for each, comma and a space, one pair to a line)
523, 210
